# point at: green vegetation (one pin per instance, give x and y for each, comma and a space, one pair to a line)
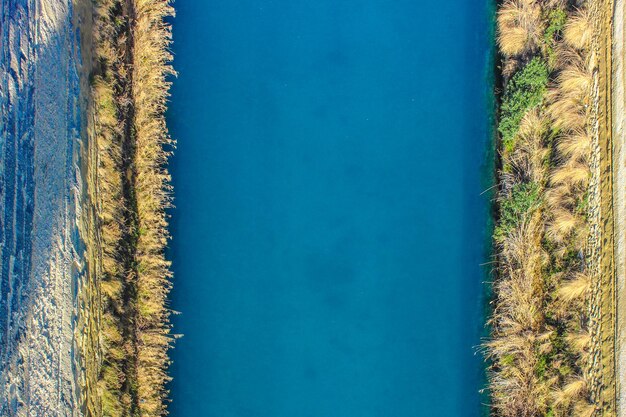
524, 200
556, 23
540, 343
523, 92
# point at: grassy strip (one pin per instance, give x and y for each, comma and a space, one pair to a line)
114, 225
131, 193
152, 190
540, 341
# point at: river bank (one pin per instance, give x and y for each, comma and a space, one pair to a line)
84, 189
127, 335
554, 311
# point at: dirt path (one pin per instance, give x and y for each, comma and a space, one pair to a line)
40, 201
619, 159
600, 255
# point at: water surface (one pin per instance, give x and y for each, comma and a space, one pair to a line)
329, 228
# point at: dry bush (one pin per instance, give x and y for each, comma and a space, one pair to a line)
520, 26
571, 392
575, 289
575, 146
528, 160
562, 224
578, 29
584, 409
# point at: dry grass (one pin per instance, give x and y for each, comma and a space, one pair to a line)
520, 333
571, 174
575, 289
578, 29
520, 26
575, 146
528, 160
571, 392
110, 210
562, 225
580, 342
131, 195
152, 40
583, 408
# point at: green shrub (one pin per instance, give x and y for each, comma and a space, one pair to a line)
524, 91
524, 199
556, 23
541, 366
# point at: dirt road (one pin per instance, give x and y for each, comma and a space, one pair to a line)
40, 198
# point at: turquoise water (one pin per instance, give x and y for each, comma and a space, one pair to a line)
329, 224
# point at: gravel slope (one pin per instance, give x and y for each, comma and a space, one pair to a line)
40, 199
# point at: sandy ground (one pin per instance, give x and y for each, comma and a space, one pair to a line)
619, 158
40, 197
